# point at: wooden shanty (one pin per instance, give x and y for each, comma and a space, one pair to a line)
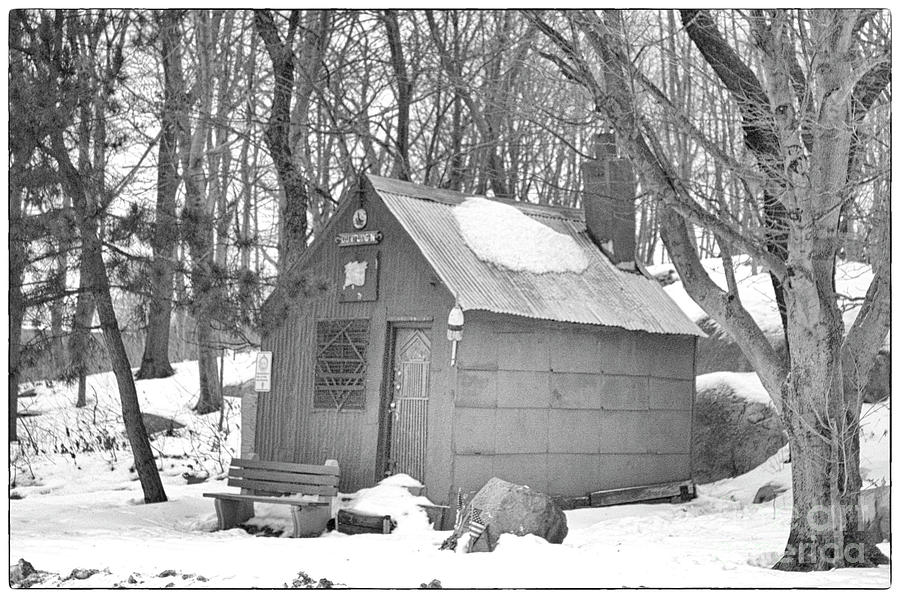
570, 383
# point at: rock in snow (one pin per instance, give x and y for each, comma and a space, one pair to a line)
507, 508
768, 492
82, 573
20, 571
736, 427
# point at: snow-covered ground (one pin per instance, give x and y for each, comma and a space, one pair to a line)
86, 513
63, 437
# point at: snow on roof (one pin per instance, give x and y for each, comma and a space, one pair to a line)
502, 235
599, 294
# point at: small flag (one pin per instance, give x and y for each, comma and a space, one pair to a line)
459, 506
476, 524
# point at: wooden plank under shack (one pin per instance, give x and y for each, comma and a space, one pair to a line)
604, 498
354, 522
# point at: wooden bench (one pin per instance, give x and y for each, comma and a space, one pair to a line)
269, 482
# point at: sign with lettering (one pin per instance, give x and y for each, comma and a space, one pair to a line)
369, 237
263, 380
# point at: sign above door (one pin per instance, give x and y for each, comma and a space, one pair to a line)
369, 237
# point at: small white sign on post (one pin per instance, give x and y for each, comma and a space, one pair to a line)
263, 381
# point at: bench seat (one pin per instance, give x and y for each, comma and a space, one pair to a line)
268, 482
278, 500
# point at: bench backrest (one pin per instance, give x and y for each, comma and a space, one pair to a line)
271, 477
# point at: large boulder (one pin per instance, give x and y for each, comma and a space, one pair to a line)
507, 508
878, 386
736, 428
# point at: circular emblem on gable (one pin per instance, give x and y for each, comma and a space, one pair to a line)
360, 218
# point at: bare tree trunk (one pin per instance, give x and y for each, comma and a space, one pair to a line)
247, 187
296, 197
80, 344
800, 250
16, 315
457, 131
404, 94
495, 170
198, 221
210, 399
15, 298
92, 257
825, 526
155, 362
823, 427
57, 307
80, 341
144, 463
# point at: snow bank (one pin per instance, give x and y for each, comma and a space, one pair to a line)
757, 295
396, 501
57, 441
706, 542
401, 479
171, 397
875, 444
89, 514
502, 235
746, 385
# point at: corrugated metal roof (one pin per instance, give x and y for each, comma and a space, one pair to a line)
603, 294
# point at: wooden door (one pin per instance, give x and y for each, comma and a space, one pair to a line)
408, 407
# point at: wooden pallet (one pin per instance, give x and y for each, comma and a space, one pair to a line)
683, 490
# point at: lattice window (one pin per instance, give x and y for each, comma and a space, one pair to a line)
341, 364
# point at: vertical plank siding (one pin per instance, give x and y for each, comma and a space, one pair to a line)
288, 427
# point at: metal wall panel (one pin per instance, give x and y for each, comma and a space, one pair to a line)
592, 430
